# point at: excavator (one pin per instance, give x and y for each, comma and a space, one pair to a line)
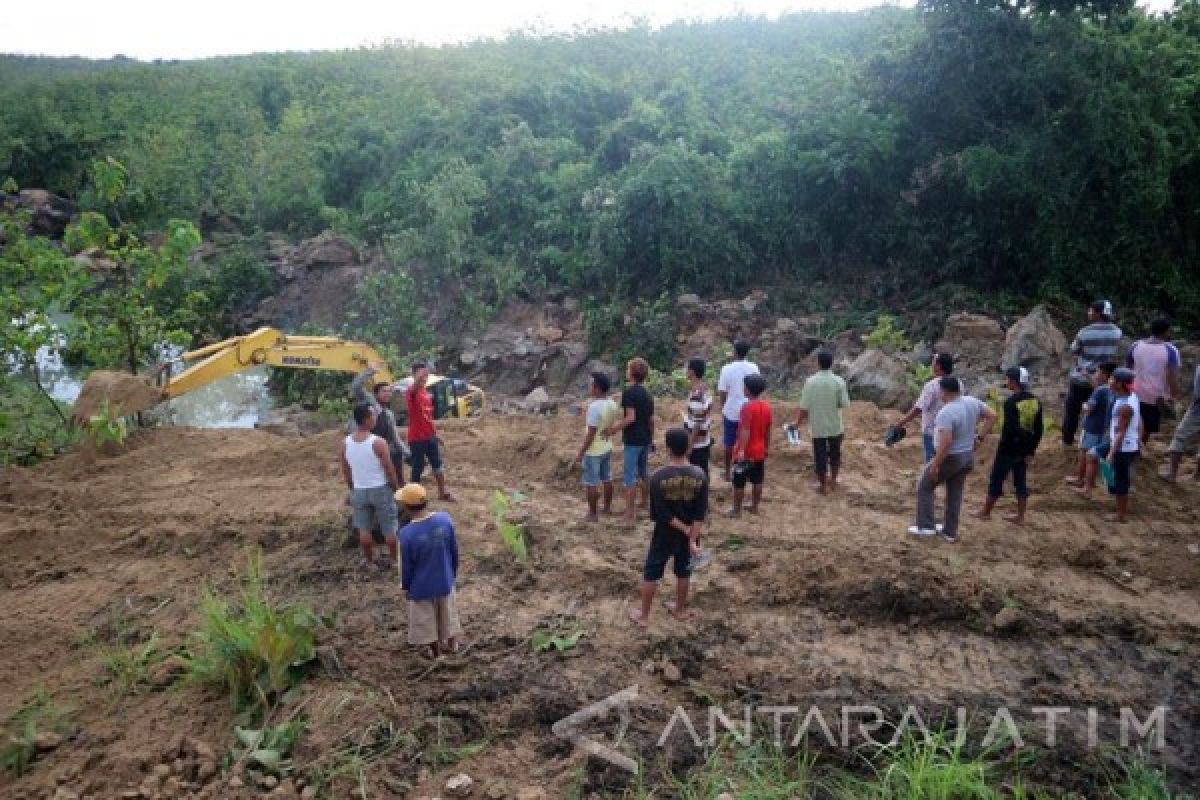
271, 347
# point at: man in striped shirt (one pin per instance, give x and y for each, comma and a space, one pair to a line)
1096, 343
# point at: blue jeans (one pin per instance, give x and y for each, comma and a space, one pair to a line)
637, 463
597, 469
930, 446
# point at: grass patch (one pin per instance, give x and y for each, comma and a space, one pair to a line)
254, 648
127, 667
560, 635
19, 736
937, 767
353, 758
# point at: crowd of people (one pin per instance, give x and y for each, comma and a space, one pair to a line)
1114, 408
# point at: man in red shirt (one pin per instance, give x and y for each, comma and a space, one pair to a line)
422, 435
753, 441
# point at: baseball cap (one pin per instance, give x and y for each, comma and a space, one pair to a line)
411, 495
1103, 307
1124, 375
1018, 374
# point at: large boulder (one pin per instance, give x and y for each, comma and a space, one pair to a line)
50, 213
973, 339
879, 378
326, 250
1035, 343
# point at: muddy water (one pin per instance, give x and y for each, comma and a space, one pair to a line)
238, 401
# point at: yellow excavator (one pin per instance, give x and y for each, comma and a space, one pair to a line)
273, 348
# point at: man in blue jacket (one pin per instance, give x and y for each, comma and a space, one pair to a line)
428, 567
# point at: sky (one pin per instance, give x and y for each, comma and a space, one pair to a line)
179, 29
149, 29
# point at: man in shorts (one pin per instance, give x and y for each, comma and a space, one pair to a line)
595, 454
369, 474
637, 426
678, 506
422, 434
1095, 429
731, 394
1186, 435
428, 568
1155, 361
1124, 441
752, 446
1020, 436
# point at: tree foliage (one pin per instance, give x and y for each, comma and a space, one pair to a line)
1039, 148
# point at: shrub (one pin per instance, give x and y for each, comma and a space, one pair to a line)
886, 336
18, 737
254, 648
512, 533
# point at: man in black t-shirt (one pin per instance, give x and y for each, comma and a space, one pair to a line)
678, 505
637, 427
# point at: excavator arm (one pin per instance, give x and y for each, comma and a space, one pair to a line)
271, 347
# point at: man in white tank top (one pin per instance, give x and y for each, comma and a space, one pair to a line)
367, 467
1124, 441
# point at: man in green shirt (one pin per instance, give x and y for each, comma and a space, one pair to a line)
821, 403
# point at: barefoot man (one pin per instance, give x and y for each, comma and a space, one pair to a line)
371, 477
595, 454
1020, 436
821, 403
678, 505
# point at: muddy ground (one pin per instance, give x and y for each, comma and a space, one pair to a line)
814, 602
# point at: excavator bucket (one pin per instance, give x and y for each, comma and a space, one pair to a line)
125, 394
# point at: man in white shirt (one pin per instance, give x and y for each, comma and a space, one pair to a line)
929, 403
731, 393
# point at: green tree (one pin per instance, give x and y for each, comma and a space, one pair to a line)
122, 318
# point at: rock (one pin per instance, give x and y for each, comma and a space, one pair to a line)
538, 400
1035, 343
687, 300
460, 785
551, 334
879, 378
62, 793
206, 771
309, 793
671, 673
847, 627
1008, 620
201, 749
269, 782
236, 782
649, 667
325, 250
496, 791
45, 741
785, 325
973, 338
468, 359
1194, 549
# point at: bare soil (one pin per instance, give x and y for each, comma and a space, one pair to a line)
815, 601
125, 394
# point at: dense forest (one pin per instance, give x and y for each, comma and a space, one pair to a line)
1023, 150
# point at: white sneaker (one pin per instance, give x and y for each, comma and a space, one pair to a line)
939, 527
915, 531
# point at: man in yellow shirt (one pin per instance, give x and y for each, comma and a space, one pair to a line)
595, 454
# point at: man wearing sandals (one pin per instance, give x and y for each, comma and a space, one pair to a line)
678, 505
371, 477
428, 567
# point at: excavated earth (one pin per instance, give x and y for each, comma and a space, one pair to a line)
815, 601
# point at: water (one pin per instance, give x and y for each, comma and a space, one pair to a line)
237, 401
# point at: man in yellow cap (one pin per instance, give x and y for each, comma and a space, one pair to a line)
428, 567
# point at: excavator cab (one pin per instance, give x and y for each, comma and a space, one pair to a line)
452, 397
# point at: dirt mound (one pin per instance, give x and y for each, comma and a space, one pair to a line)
126, 394
816, 600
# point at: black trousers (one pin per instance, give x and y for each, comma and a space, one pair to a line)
1077, 395
827, 452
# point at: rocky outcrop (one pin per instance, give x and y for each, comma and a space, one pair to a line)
879, 378
975, 341
1036, 343
326, 250
49, 214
